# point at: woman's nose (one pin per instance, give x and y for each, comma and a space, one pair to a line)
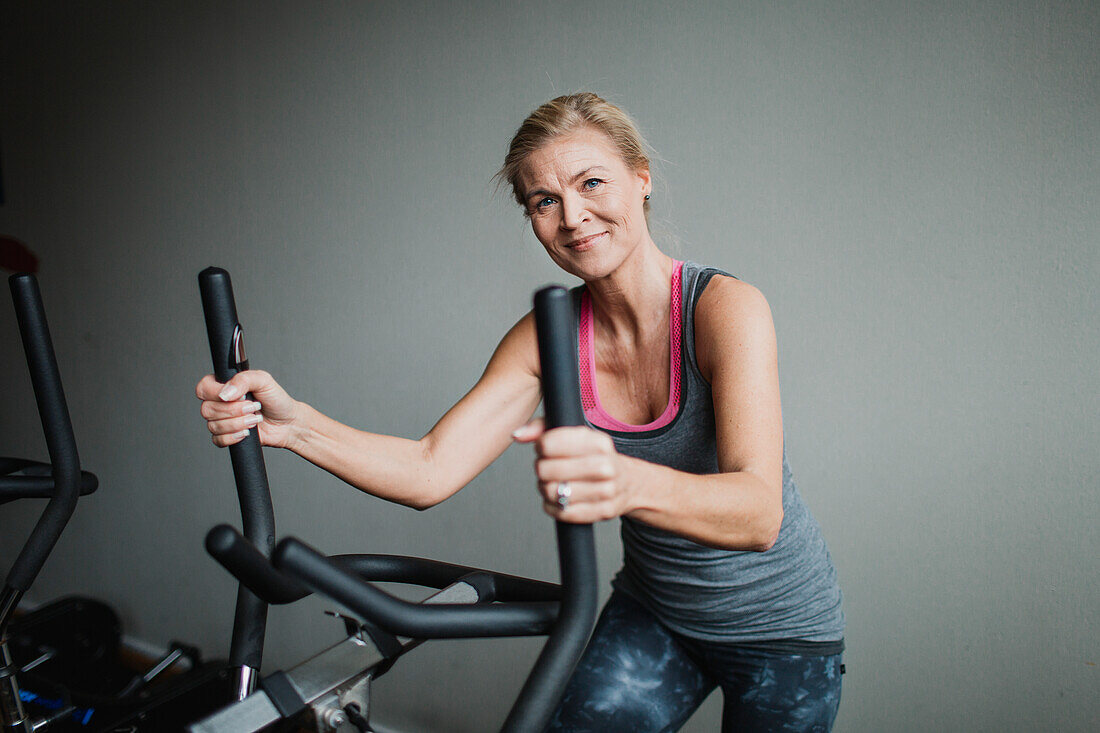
573, 212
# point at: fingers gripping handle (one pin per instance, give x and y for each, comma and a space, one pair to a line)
226, 350
576, 548
257, 515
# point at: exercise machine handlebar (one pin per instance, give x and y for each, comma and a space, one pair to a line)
240, 557
61, 481
415, 620
568, 631
249, 566
67, 480
544, 687
24, 479
525, 607
258, 518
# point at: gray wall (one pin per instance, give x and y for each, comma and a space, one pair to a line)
914, 186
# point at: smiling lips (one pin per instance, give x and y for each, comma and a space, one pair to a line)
585, 243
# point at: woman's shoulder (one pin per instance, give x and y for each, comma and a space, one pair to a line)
724, 295
731, 316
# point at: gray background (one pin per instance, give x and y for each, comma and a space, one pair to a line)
913, 186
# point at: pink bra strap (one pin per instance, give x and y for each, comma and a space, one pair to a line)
590, 398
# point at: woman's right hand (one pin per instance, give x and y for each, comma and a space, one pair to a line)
230, 416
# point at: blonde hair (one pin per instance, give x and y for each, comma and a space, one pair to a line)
567, 114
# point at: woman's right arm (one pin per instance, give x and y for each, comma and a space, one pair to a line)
417, 473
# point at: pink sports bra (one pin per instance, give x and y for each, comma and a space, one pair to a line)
590, 397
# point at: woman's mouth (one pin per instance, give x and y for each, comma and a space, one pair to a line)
586, 243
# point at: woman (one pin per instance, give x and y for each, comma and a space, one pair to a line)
726, 580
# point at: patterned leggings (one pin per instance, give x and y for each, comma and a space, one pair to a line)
636, 675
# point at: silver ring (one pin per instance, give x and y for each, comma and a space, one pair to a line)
564, 492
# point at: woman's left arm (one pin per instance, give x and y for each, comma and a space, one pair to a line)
740, 508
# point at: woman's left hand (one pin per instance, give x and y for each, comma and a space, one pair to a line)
581, 476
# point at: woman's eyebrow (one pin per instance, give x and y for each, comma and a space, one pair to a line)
536, 192
575, 177
588, 170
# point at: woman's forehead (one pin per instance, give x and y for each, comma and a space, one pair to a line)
569, 155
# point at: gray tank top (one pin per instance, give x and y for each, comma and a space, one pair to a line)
789, 593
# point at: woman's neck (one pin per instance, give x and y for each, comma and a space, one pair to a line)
626, 301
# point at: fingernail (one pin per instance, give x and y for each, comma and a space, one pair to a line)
230, 392
253, 419
242, 435
252, 407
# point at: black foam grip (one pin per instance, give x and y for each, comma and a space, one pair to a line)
249, 473
436, 574
561, 392
21, 478
416, 620
237, 555
56, 425
545, 685
248, 565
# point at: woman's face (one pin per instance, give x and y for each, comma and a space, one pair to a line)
585, 203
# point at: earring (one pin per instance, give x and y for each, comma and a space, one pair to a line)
647, 197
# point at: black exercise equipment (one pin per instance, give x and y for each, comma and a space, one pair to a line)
332, 688
227, 351
67, 652
70, 641
61, 481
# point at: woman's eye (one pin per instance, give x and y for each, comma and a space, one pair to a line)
592, 183
543, 203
